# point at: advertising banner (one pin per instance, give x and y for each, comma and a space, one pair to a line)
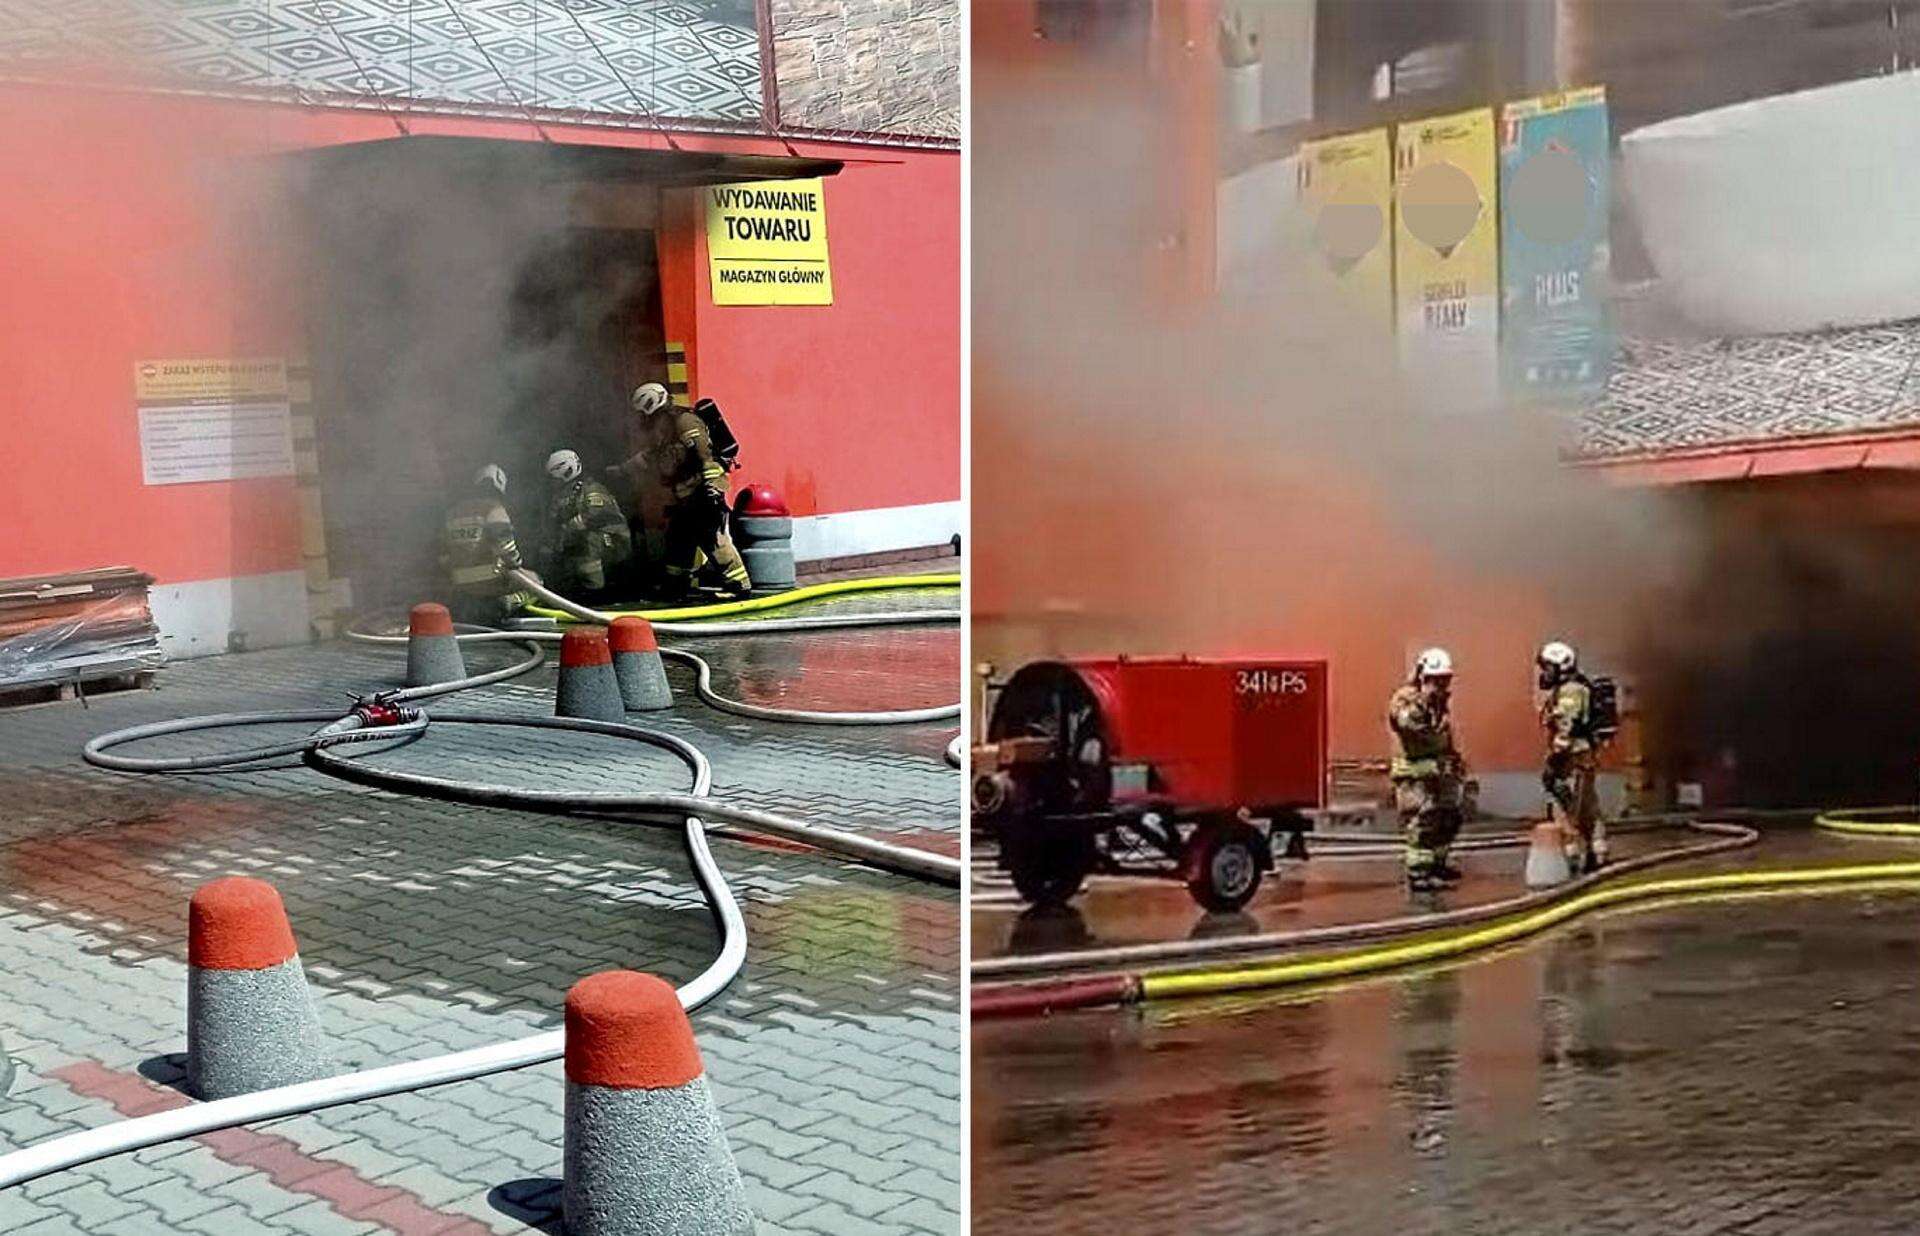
1346, 194
1554, 236
1446, 246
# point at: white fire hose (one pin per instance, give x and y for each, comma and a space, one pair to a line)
74, 1149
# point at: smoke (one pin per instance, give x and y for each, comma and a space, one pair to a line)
457, 317
1251, 472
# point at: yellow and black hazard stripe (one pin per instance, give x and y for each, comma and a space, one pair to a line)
678, 384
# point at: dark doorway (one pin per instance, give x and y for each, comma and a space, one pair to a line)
1785, 672
464, 311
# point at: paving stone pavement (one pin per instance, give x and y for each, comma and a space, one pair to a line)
427, 927
1748, 1066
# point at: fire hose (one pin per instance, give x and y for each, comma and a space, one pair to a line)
663, 618
388, 717
703, 683
1487, 927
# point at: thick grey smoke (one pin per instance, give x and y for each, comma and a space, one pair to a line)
459, 316
1251, 472
1254, 474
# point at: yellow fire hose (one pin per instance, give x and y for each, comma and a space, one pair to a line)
1177, 1013
812, 592
1209, 982
1895, 822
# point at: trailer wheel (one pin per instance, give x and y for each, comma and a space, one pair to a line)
1048, 870
1226, 865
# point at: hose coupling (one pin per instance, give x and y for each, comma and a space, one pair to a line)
383, 710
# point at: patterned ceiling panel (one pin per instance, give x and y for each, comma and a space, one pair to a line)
1668, 395
624, 60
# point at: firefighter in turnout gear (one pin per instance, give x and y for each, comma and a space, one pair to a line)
586, 531
677, 454
1566, 714
1428, 773
478, 549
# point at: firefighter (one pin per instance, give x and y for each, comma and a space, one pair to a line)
586, 531
1566, 714
1428, 773
676, 453
478, 549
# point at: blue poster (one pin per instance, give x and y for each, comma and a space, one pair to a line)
1555, 342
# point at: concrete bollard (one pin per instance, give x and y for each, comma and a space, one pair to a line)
645, 1150
637, 665
587, 687
433, 652
1547, 857
251, 1023
763, 533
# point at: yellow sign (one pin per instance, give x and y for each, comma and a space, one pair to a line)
1346, 190
209, 381
1446, 243
767, 243
1547, 104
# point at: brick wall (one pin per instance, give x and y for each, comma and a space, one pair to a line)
881, 66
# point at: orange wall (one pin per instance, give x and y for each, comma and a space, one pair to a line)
124, 241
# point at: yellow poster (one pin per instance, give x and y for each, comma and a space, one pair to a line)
209, 381
213, 420
1446, 242
1346, 192
767, 243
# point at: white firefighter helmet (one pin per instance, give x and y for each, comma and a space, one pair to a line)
493, 477
650, 398
1558, 656
1433, 663
563, 466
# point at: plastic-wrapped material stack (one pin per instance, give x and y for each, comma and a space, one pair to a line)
76, 628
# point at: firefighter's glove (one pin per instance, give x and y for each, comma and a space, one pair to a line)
577, 524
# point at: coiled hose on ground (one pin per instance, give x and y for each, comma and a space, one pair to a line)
317, 751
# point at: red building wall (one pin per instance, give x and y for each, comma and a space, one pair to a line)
137, 227
855, 405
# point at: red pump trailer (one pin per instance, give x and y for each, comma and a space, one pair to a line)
1178, 766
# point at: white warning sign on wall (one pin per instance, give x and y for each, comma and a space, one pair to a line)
213, 420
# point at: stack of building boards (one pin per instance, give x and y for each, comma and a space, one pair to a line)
63, 631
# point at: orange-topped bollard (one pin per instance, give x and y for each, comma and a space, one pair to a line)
433, 651
587, 688
251, 1023
645, 1150
637, 665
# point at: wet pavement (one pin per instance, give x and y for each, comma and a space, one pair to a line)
428, 927
1335, 887
1742, 1065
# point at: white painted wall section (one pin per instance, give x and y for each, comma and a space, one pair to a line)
1517, 795
203, 617
844, 534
